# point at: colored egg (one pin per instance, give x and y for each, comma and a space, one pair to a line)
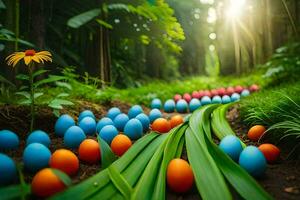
187, 97
154, 114
235, 97
214, 92
103, 122
169, 106
36, 156
270, 151
256, 132
207, 93
73, 137
226, 99
205, 100
177, 97
88, 125
144, 119
221, 91
201, 93
89, 151
133, 129
120, 121
46, 183
216, 99
8, 170
62, 124
161, 125
238, 89
231, 145
108, 133
229, 91
134, 111
120, 144
194, 104
180, 177
253, 88
156, 103
176, 120
65, 160
245, 93
113, 112
8, 140
39, 136
86, 113
182, 106
253, 161
195, 95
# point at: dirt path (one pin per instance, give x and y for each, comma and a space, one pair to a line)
282, 180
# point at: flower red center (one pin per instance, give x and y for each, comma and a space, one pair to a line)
30, 52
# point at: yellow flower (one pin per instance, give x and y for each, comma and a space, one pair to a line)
29, 56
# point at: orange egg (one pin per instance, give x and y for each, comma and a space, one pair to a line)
270, 151
89, 151
255, 132
180, 177
45, 183
176, 120
65, 160
120, 144
161, 125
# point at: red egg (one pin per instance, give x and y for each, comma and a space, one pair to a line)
201, 94
196, 95
254, 88
238, 89
177, 97
207, 93
270, 151
214, 92
230, 91
187, 97
221, 91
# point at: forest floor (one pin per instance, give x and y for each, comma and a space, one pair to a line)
281, 180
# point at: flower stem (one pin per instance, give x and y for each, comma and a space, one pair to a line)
32, 104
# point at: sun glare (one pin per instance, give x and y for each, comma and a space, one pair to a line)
235, 8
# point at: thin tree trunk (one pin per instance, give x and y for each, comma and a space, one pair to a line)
269, 29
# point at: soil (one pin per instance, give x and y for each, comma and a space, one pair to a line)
281, 180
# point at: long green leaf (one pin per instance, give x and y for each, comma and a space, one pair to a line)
63, 177
83, 18
14, 192
50, 79
107, 156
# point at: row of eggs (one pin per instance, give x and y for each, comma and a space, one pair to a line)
182, 106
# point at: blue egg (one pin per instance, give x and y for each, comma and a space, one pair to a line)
36, 156
108, 133
156, 103
86, 113
232, 146
39, 136
235, 97
120, 121
181, 106
216, 99
226, 99
88, 125
8, 140
253, 161
154, 114
144, 119
245, 93
169, 106
62, 124
103, 122
113, 112
194, 104
205, 100
8, 170
133, 129
134, 111
73, 137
